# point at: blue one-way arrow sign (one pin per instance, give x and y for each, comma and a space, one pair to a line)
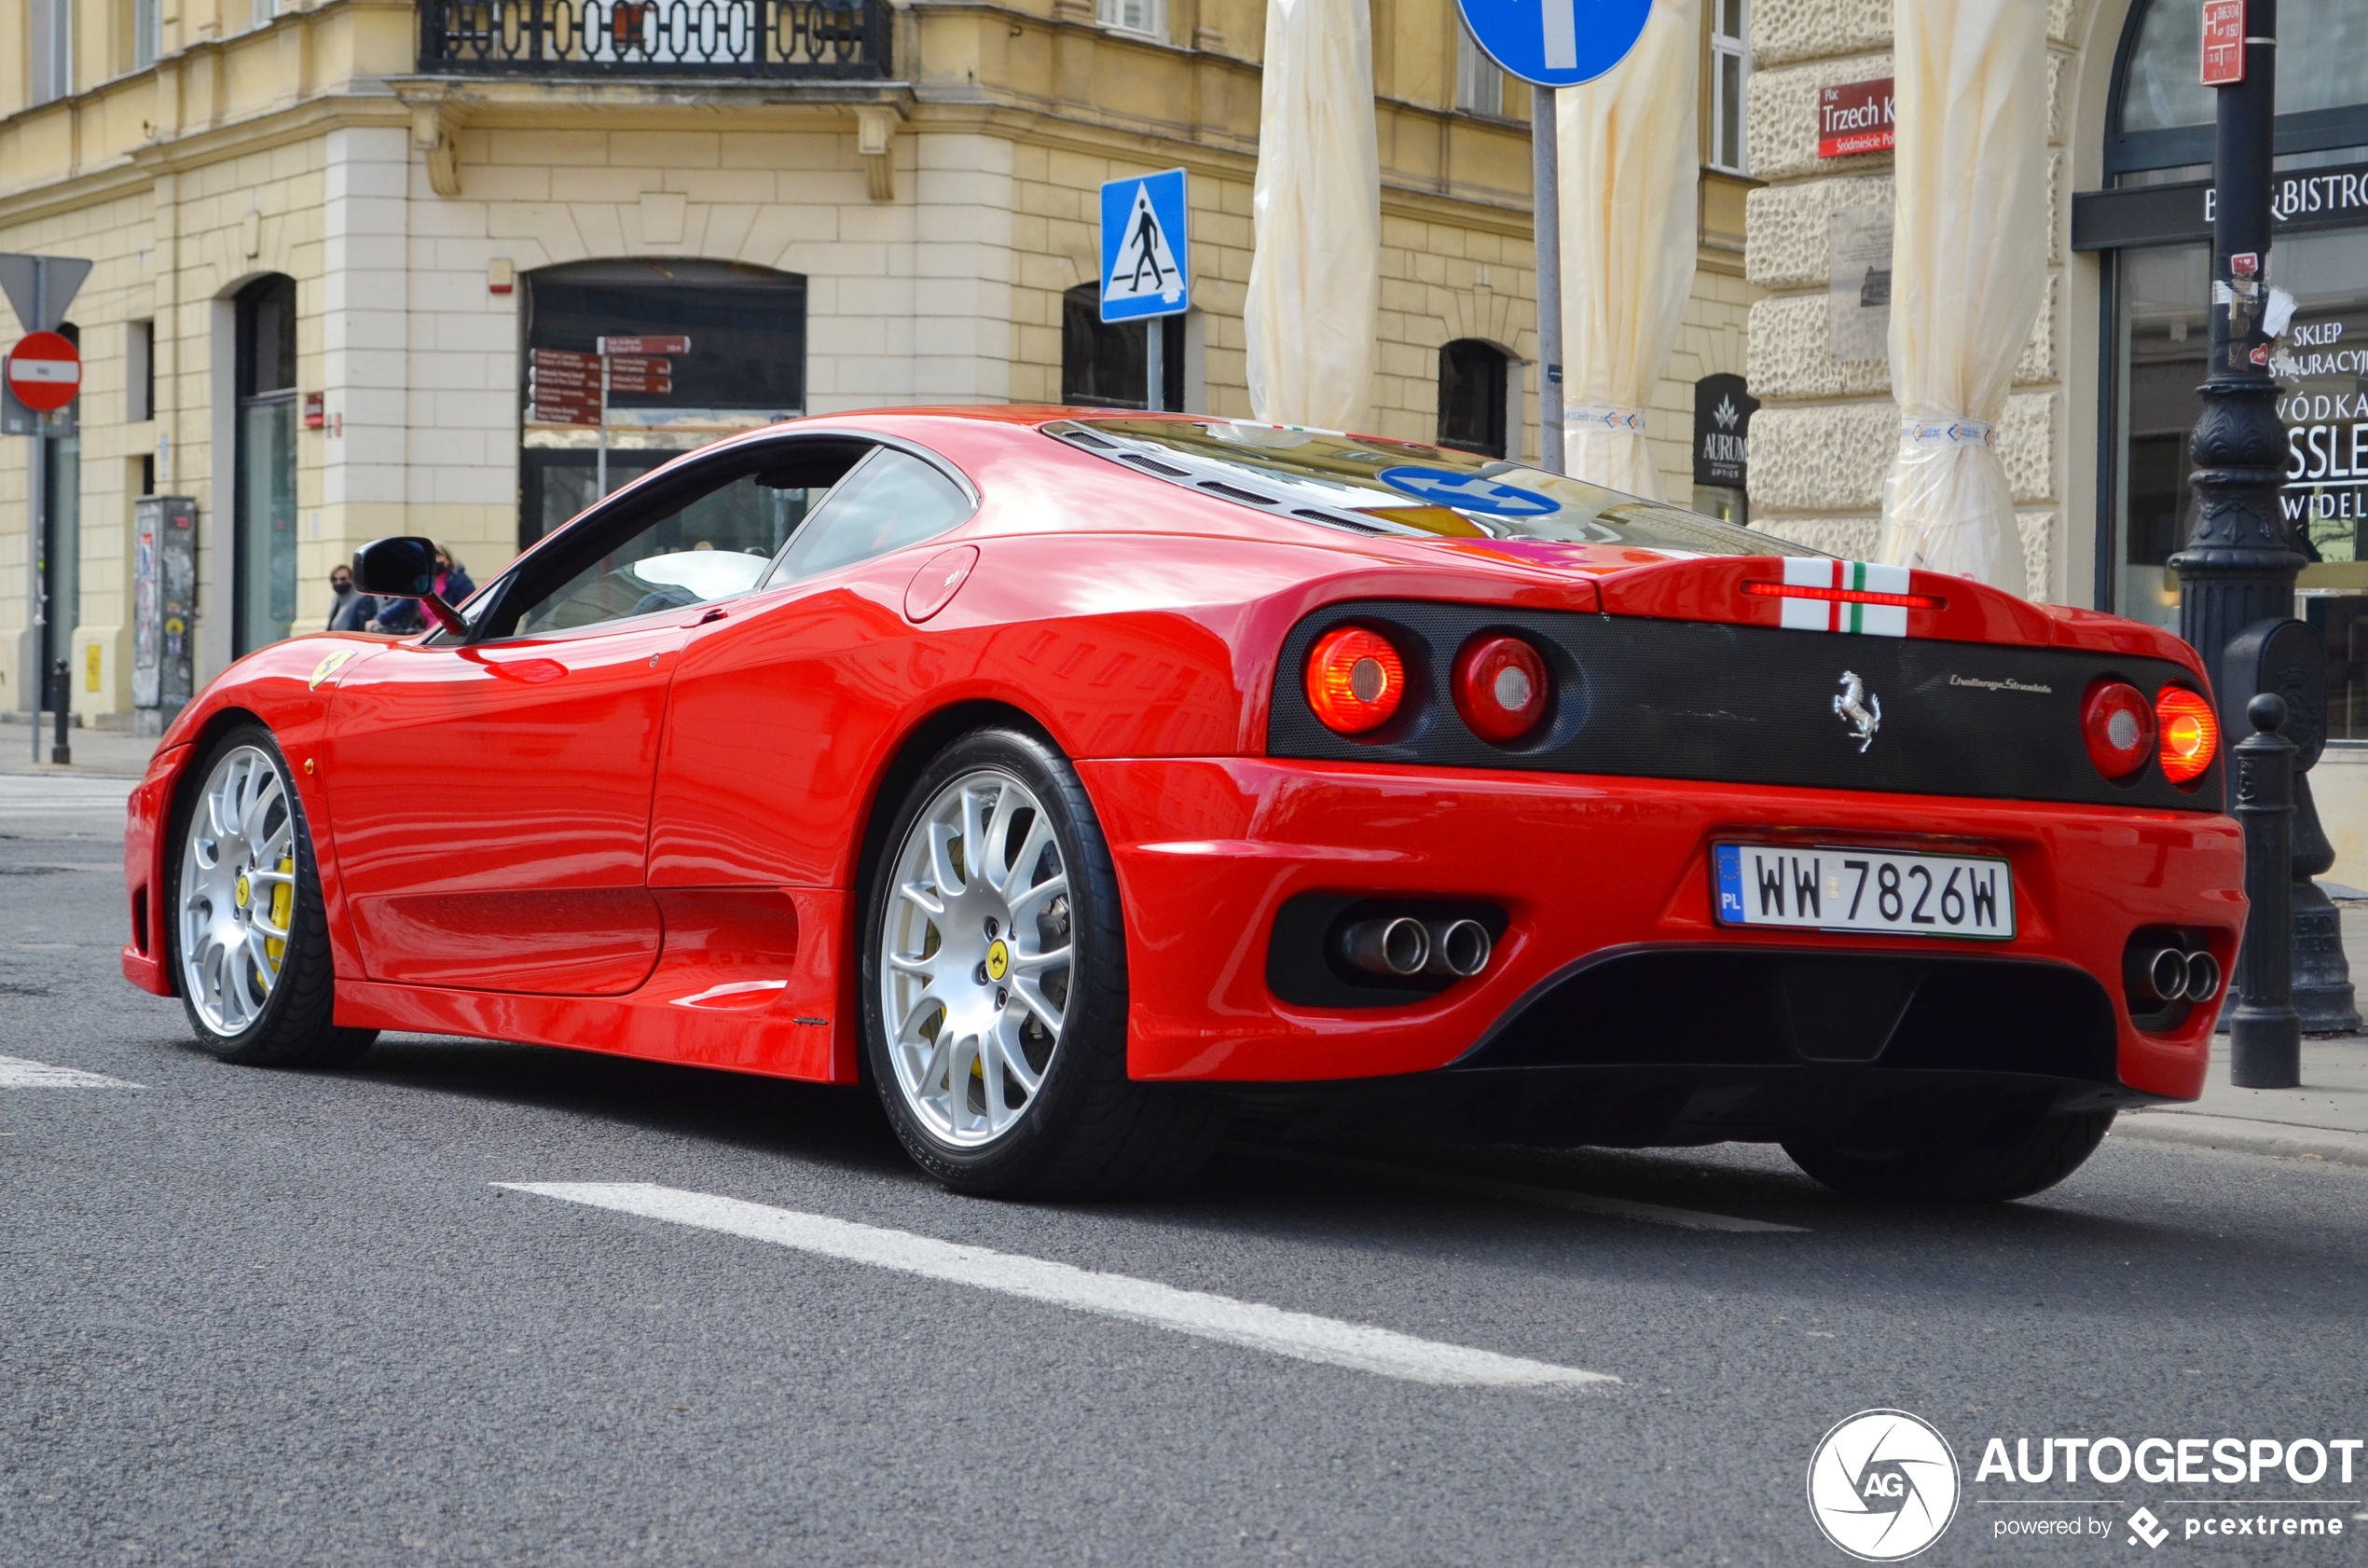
1557, 43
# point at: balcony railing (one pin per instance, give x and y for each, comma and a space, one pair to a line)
824, 39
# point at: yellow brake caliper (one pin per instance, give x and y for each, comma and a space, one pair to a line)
282, 905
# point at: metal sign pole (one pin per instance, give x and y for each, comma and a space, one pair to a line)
1547, 206
36, 520
600, 477
1154, 362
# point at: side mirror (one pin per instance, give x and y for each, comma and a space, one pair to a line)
404, 568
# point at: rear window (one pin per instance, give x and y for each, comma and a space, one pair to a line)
1379, 485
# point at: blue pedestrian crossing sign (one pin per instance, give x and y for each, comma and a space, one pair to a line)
1144, 248
1556, 43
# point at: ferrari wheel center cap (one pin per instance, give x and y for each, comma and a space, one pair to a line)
240, 891
998, 960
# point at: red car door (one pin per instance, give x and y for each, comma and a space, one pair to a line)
490, 799
491, 805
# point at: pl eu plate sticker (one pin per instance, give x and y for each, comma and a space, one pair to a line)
1731, 883
1468, 492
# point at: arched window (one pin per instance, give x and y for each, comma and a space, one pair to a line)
2162, 113
1102, 363
1471, 396
263, 580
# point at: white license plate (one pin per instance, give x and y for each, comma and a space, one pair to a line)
1826, 889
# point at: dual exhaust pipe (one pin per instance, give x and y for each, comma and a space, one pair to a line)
1403, 947
2163, 975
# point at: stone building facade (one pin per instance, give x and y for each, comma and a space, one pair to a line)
321, 228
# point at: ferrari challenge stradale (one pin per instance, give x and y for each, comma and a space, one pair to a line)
1082, 780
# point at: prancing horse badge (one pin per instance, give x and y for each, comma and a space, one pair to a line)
1860, 709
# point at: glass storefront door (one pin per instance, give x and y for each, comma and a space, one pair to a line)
267, 523
60, 549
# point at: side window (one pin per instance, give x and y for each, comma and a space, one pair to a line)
685, 552
889, 499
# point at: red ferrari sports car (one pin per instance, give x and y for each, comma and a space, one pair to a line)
1081, 780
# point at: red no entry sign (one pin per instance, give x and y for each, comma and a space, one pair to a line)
44, 371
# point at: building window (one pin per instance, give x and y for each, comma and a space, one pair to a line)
139, 371
1103, 363
1146, 17
1471, 396
745, 367
147, 32
264, 583
1730, 66
1480, 82
52, 43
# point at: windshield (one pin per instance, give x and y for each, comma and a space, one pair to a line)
1404, 486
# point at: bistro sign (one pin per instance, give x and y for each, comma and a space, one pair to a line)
2107, 220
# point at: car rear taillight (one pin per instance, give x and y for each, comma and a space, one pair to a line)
1500, 687
1354, 679
2118, 727
2190, 733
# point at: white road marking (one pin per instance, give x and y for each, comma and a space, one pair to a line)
1550, 1197
18, 1073
1248, 1324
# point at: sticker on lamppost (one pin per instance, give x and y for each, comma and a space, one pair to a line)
1143, 248
1545, 42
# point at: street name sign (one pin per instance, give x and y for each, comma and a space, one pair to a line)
1144, 248
616, 345
1553, 43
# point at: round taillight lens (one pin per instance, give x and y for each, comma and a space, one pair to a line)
2190, 733
1500, 687
1354, 679
2119, 728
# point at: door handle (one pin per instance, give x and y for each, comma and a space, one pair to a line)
715, 612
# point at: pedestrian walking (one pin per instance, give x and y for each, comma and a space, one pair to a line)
349, 611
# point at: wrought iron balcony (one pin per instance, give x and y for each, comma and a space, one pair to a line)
811, 39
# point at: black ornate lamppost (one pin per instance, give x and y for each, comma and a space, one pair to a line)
2236, 574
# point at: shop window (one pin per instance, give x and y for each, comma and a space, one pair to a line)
264, 526
1103, 363
1729, 67
1471, 396
1479, 81
2159, 131
745, 367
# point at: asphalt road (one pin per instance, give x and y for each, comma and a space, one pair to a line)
261, 1318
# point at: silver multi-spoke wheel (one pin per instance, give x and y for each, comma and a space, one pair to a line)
975, 958
238, 890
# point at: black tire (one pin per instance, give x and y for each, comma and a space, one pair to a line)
293, 1028
1089, 1130
2052, 1150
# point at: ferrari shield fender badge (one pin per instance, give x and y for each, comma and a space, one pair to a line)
1860, 709
329, 665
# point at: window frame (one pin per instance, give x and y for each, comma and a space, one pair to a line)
1473, 64
1725, 48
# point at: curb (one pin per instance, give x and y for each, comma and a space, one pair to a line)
2243, 1136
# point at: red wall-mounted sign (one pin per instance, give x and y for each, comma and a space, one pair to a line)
1855, 118
2224, 42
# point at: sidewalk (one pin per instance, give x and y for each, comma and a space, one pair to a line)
97, 754
2326, 1118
